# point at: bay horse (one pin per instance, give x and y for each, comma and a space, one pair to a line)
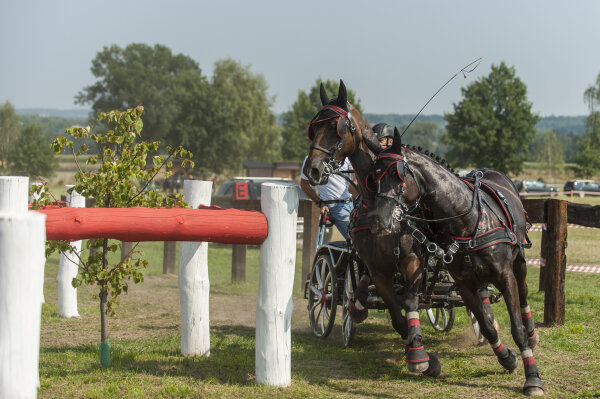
482, 222
338, 131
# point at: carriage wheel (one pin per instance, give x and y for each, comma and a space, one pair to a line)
442, 319
348, 326
322, 296
480, 338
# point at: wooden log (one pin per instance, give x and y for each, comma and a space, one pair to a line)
238, 263
169, 249
68, 267
583, 214
227, 226
276, 280
22, 260
556, 261
544, 248
194, 285
534, 209
309, 237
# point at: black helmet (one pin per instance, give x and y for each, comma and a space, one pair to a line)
383, 130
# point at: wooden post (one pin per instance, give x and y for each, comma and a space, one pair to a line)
126, 248
309, 238
169, 257
556, 261
274, 306
194, 286
545, 247
22, 239
238, 263
68, 266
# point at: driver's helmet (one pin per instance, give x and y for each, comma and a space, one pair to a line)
383, 130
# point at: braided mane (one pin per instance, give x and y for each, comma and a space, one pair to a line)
434, 157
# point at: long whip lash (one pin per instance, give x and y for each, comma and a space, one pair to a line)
463, 70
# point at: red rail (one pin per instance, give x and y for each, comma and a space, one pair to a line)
212, 224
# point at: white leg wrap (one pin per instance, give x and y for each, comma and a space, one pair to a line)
497, 344
526, 353
525, 309
412, 315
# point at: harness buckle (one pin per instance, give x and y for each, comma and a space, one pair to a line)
419, 236
472, 243
397, 251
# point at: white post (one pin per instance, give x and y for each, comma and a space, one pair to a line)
194, 286
274, 307
22, 258
68, 267
14, 194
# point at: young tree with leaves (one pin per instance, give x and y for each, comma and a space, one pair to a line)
9, 132
120, 181
588, 161
31, 154
493, 124
547, 150
296, 120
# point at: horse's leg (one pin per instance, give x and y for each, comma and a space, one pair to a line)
506, 357
520, 272
509, 288
417, 358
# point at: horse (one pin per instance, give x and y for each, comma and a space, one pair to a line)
339, 130
483, 223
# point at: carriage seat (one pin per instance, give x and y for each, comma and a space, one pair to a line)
338, 244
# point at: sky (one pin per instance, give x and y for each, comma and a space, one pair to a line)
393, 54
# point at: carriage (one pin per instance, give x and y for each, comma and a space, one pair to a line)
334, 277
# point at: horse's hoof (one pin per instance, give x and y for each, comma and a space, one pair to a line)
357, 316
533, 340
434, 368
417, 359
533, 387
510, 362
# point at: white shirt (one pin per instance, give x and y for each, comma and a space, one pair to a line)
336, 187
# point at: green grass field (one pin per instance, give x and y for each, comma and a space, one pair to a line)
145, 339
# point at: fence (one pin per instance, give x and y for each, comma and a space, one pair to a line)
22, 236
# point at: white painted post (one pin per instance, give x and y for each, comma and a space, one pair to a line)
194, 286
274, 307
22, 258
14, 194
68, 267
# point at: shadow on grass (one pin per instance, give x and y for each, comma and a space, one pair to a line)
377, 354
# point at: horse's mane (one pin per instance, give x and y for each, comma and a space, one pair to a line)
441, 161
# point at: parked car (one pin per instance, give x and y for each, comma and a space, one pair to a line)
536, 187
249, 188
582, 186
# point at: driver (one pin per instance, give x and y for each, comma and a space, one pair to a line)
385, 134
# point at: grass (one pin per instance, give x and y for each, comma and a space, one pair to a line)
146, 362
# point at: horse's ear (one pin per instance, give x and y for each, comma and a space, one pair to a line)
324, 98
397, 144
342, 95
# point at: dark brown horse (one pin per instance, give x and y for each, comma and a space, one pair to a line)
481, 220
337, 131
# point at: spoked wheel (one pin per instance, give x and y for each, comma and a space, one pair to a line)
322, 296
348, 326
442, 319
480, 338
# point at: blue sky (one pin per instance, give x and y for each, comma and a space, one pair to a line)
393, 54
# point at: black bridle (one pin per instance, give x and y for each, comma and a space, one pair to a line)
344, 123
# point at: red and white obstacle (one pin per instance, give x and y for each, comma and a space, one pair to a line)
22, 237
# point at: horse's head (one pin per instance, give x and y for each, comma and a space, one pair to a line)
397, 191
334, 134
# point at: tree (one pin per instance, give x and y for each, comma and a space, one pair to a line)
31, 155
140, 74
242, 105
120, 181
588, 161
296, 120
426, 135
547, 150
493, 124
9, 132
